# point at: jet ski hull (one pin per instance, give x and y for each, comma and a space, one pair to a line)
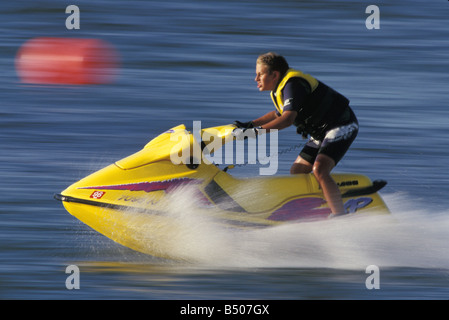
132, 201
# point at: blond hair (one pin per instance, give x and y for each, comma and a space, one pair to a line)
274, 62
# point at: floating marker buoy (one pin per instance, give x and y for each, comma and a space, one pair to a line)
66, 61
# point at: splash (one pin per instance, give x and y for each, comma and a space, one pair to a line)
409, 237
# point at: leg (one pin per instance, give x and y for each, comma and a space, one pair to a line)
321, 165
334, 146
306, 158
322, 169
301, 166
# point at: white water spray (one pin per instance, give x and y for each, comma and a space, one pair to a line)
408, 237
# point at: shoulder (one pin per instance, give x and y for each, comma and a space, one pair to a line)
297, 84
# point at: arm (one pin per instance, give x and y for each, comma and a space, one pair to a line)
280, 122
270, 116
294, 93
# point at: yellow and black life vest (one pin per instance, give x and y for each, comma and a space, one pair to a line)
277, 96
323, 107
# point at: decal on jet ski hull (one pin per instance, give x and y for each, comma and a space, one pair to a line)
166, 185
310, 208
97, 194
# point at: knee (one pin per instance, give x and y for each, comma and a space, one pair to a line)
298, 168
320, 172
294, 169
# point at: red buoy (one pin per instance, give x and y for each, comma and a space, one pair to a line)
66, 61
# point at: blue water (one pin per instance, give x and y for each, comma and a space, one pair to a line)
185, 61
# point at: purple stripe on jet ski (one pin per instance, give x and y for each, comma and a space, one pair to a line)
310, 208
166, 185
301, 209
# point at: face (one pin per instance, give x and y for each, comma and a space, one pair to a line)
265, 80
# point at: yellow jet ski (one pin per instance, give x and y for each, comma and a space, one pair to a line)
129, 197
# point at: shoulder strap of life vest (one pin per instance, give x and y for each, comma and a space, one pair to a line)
277, 95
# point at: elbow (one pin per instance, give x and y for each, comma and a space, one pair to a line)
289, 120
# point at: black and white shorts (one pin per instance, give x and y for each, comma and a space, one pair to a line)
335, 143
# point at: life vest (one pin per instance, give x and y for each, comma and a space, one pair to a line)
322, 108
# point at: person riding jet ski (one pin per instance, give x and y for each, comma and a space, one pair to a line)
317, 111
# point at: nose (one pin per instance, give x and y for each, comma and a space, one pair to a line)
256, 78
